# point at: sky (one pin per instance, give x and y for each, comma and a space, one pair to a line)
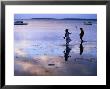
57, 16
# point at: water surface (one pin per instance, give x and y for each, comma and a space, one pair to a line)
39, 48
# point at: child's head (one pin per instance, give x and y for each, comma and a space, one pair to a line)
66, 30
81, 28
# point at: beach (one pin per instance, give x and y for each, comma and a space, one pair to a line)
39, 48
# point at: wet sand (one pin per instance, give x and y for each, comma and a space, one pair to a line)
47, 65
75, 66
39, 49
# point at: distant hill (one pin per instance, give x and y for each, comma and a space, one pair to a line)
58, 19
65, 19
77, 19
44, 18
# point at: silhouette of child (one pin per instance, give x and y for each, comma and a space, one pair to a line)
81, 34
67, 37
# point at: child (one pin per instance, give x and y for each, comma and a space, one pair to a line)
81, 34
67, 37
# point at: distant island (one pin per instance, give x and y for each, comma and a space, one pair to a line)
65, 19
44, 18
58, 19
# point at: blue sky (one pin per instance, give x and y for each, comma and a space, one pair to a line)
57, 16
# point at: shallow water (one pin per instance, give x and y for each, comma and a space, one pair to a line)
39, 48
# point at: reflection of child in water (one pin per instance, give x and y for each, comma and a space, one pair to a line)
66, 52
67, 36
81, 48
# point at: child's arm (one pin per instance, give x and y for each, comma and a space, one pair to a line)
69, 33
